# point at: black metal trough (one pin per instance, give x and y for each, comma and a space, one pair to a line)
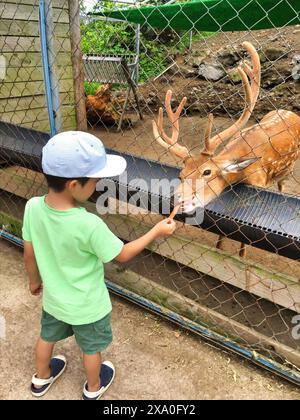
264, 219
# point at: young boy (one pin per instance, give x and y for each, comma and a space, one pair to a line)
64, 251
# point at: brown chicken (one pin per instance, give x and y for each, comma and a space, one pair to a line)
101, 108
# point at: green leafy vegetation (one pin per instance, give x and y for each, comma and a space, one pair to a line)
91, 87
158, 48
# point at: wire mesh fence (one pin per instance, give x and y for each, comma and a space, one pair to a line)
232, 271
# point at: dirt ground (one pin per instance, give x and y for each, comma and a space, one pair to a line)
221, 97
278, 49
154, 359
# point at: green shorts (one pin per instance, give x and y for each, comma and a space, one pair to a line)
91, 338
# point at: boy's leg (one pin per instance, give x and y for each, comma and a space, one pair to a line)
93, 339
49, 368
94, 388
44, 352
92, 366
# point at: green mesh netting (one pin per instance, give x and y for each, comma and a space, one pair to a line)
214, 15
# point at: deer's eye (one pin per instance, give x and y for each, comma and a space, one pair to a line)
207, 172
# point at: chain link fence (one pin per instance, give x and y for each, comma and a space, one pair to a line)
232, 272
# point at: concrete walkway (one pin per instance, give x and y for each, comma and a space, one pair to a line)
153, 358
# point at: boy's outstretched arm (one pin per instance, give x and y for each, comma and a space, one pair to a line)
164, 228
35, 283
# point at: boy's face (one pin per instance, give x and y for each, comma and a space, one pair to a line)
82, 193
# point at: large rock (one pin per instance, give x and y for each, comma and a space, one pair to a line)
296, 60
234, 76
188, 72
273, 54
196, 57
229, 58
200, 53
211, 72
275, 75
194, 61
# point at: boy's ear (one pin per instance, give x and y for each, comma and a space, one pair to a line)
72, 183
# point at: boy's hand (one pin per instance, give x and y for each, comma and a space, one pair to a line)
165, 228
36, 288
35, 282
131, 249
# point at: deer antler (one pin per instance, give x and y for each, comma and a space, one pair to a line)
251, 95
170, 143
208, 150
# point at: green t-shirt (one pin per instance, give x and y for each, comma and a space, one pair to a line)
70, 248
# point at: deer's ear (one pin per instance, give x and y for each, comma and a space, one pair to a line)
238, 165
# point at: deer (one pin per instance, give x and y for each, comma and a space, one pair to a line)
258, 155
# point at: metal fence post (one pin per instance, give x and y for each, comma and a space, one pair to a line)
46, 67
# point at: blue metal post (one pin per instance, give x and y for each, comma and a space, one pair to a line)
46, 68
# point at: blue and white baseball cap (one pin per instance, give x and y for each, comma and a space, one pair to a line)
76, 154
